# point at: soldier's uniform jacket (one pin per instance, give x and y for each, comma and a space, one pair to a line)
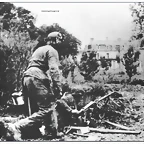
69, 99
64, 107
44, 65
66, 103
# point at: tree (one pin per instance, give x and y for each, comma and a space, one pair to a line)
105, 63
131, 61
89, 65
16, 18
16, 37
70, 44
137, 12
16, 46
68, 65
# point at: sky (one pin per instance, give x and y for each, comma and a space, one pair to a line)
85, 20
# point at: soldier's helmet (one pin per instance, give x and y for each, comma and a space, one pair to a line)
55, 37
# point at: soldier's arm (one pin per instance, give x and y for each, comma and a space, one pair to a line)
62, 104
54, 71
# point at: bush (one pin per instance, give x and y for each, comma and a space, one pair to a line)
68, 66
131, 61
137, 80
84, 93
110, 78
89, 65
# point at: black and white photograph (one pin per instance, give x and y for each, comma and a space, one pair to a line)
72, 71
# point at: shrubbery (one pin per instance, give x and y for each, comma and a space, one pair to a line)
131, 61
89, 65
84, 93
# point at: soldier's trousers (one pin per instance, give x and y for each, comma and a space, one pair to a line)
31, 124
41, 100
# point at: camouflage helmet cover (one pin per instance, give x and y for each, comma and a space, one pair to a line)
55, 35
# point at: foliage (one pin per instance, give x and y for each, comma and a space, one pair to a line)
105, 63
89, 65
131, 61
137, 12
15, 18
68, 65
17, 52
84, 93
15, 47
22, 20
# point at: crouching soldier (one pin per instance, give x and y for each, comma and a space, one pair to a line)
67, 110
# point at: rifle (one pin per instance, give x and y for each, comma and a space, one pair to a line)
95, 102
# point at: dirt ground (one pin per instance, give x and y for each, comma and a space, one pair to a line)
133, 118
